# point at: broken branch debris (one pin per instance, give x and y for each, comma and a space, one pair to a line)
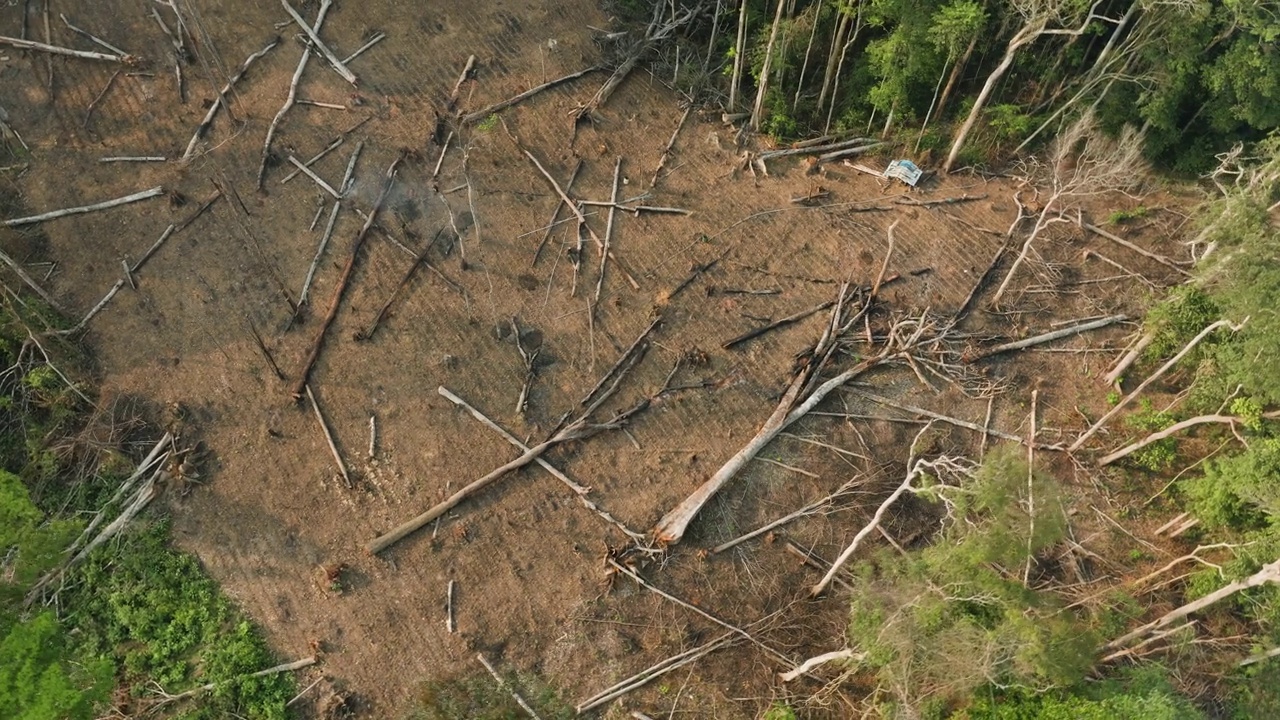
219, 101
319, 44
54, 214
340, 290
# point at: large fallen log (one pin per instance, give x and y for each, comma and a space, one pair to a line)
803, 393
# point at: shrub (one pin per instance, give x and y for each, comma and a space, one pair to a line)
1239, 491
1183, 313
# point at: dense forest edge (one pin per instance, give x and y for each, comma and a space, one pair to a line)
964, 83
989, 621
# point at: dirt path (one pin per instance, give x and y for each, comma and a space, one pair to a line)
527, 560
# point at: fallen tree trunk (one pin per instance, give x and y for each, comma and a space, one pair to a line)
1125, 243
485, 112
671, 528
814, 662
1268, 574
1154, 376
403, 530
1047, 337
1129, 358
305, 374
579, 429
1171, 431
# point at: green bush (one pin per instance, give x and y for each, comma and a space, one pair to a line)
779, 711
1119, 217
40, 680
1143, 695
156, 610
1008, 122
955, 616
1160, 454
1183, 313
1240, 491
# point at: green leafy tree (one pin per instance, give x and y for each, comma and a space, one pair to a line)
40, 679
31, 544
1240, 491
1142, 695
1242, 275
958, 615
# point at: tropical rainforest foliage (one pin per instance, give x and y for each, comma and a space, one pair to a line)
975, 79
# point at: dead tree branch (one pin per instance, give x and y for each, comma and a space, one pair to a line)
582, 220
145, 493
555, 214
666, 151
305, 374
608, 229
221, 99
1125, 243
1259, 657
292, 97
319, 45
952, 420
54, 214
30, 282
783, 322
771, 652
580, 491
809, 509
648, 675
1129, 358
918, 468
84, 322
328, 438
941, 201
652, 36
802, 395
580, 429
286, 667
497, 107
55, 50
468, 71
319, 181
814, 662
1268, 574
315, 262
418, 261
1171, 431
93, 38
503, 683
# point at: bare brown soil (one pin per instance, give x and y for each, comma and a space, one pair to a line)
527, 560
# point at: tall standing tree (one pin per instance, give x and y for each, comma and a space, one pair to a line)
955, 25
1039, 18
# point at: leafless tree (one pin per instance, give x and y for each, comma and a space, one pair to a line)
1082, 164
